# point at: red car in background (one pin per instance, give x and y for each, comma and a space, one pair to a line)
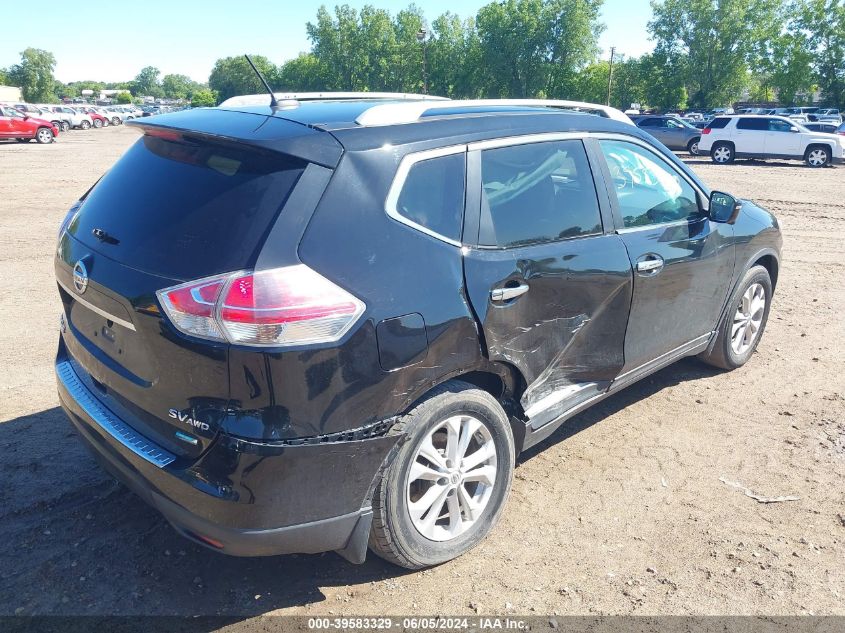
14, 124
97, 119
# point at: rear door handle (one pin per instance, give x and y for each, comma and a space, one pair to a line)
650, 264
509, 292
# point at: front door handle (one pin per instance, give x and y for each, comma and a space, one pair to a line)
650, 264
508, 292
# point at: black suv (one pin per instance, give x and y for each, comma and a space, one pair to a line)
336, 324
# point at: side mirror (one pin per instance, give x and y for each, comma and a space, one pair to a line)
724, 207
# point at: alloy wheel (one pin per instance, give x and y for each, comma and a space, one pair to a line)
44, 135
693, 149
817, 157
748, 318
451, 478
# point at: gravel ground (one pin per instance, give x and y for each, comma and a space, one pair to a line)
622, 511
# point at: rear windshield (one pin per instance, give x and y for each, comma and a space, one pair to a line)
186, 209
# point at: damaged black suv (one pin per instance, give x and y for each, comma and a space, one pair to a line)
333, 325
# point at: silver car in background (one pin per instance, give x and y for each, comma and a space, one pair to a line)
672, 131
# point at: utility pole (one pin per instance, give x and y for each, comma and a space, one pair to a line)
610, 74
421, 38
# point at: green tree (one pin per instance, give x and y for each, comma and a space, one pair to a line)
664, 80
454, 58
204, 98
712, 43
232, 76
304, 73
4, 76
822, 22
34, 75
123, 97
146, 83
534, 48
178, 86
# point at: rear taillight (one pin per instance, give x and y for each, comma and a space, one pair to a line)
706, 130
286, 306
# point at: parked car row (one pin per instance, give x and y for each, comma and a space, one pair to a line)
24, 128
43, 122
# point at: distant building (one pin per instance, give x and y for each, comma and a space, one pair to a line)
11, 94
106, 95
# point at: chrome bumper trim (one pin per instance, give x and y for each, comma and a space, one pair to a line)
108, 421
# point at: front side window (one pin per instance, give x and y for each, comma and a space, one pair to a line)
649, 191
777, 125
537, 192
432, 195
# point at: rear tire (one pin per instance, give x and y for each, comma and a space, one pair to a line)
463, 511
115, 121
85, 125
692, 146
817, 156
65, 126
722, 153
98, 123
744, 322
44, 135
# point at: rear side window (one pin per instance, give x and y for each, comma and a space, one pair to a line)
187, 209
753, 124
432, 196
718, 123
538, 192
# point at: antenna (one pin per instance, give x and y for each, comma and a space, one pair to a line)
273, 102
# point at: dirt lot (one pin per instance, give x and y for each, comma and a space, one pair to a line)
623, 512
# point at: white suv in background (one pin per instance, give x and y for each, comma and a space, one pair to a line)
753, 136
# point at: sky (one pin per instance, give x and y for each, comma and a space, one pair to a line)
187, 36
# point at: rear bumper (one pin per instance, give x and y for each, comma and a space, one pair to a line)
239, 498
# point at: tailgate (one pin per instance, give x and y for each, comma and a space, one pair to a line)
169, 389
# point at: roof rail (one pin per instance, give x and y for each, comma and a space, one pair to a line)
261, 99
394, 113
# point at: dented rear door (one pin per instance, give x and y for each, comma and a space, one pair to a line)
550, 288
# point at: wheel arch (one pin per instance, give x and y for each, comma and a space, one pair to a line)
766, 257
825, 144
501, 380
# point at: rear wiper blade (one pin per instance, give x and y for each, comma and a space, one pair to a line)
101, 235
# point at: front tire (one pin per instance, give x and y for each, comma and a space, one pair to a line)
65, 126
817, 156
115, 120
447, 485
722, 153
744, 322
44, 135
98, 123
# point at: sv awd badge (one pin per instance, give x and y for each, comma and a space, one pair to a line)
187, 419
